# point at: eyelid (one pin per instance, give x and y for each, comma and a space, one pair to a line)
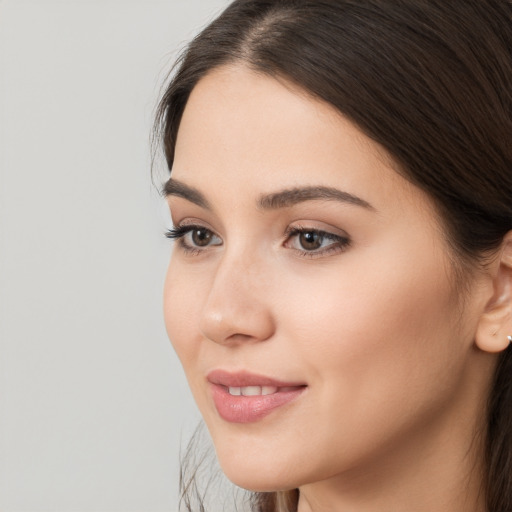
191, 222
179, 231
320, 227
181, 227
314, 225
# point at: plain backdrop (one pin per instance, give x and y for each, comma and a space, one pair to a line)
93, 403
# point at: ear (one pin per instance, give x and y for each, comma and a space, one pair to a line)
495, 324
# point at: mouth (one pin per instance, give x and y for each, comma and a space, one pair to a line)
258, 390
246, 398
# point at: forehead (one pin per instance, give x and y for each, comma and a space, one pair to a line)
246, 133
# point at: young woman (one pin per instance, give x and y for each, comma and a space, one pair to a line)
340, 293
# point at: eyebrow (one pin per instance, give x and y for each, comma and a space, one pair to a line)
177, 188
282, 199
292, 196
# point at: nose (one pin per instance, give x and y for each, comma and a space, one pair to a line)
237, 307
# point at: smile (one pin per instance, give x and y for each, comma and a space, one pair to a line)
252, 390
247, 398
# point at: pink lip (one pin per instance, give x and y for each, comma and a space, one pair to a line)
240, 379
248, 409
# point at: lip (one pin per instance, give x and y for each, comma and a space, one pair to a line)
244, 378
249, 409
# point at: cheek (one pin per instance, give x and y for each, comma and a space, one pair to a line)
378, 338
181, 302
183, 296
362, 304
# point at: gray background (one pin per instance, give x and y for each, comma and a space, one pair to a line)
93, 402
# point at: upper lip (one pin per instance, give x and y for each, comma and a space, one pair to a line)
243, 378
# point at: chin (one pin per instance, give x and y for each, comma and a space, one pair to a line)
267, 472
252, 479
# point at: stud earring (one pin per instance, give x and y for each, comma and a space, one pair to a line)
509, 338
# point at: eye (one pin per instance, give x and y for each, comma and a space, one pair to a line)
315, 242
310, 240
194, 238
200, 237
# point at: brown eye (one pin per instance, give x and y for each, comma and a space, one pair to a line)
311, 240
201, 237
315, 243
194, 239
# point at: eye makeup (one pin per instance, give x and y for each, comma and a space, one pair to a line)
306, 241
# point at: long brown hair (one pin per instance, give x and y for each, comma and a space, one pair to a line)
429, 80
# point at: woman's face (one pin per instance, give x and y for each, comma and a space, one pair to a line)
310, 296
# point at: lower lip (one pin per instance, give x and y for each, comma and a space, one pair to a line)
248, 409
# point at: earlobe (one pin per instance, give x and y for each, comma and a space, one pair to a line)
494, 329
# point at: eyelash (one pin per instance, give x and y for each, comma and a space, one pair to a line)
180, 232
340, 243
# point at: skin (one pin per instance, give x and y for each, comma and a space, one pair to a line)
376, 328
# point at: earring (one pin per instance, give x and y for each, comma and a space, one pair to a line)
509, 338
